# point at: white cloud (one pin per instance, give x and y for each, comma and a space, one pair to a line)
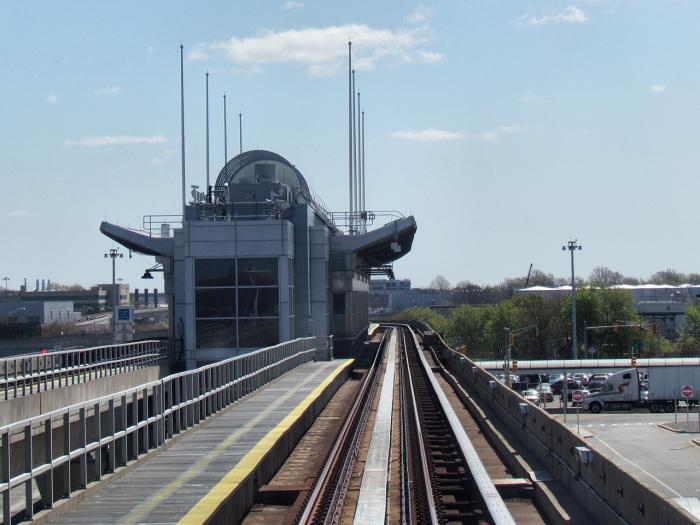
421, 15
570, 15
111, 90
171, 151
18, 213
116, 140
323, 50
530, 97
429, 57
291, 4
52, 99
657, 88
197, 54
157, 161
427, 135
496, 134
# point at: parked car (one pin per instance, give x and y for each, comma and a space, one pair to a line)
571, 385
582, 377
545, 391
518, 386
531, 395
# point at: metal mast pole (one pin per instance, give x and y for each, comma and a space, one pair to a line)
240, 132
182, 126
350, 132
358, 152
572, 246
354, 149
7, 300
362, 161
206, 189
225, 134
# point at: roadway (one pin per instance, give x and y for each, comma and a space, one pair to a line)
667, 460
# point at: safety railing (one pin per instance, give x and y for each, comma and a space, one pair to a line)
30, 373
64, 450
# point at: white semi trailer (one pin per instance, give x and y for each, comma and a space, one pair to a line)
622, 389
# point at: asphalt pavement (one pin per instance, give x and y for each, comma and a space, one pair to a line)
667, 460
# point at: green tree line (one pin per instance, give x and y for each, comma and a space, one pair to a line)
482, 329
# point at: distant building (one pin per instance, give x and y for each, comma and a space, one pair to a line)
42, 312
94, 299
388, 297
122, 289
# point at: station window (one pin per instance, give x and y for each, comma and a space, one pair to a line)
236, 302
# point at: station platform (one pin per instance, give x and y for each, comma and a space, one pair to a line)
191, 480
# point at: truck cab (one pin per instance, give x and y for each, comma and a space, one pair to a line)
620, 390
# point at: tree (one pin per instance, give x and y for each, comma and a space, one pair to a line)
440, 283
668, 276
467, 326
436, 321
604, 277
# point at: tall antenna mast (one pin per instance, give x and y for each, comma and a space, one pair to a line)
349, 132
207, 186
225, 134
354, 148
240, 132
364, 209
182, 126
358, 168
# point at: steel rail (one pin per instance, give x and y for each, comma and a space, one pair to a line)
409, 394
497, 509
325, 501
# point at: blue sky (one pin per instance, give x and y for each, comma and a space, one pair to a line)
506, 128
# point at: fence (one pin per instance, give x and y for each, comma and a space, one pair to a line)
70, 447
27, 374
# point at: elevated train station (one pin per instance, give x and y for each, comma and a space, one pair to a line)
258, 260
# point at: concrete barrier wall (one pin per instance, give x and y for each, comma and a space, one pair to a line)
18, 409
608, 492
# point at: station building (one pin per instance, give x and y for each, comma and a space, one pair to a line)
258, 260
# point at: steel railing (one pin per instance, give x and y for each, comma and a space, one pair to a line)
102, 434
30, 373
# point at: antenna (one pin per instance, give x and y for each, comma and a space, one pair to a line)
240, 132
207, 186
354, 147
349, 132
364, 209
358, 171
182, 126
225, 134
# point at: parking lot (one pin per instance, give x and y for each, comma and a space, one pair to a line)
667, 460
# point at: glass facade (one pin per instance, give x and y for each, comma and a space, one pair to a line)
237, 302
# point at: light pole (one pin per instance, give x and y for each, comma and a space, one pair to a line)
572, 246
114, 254
7, 299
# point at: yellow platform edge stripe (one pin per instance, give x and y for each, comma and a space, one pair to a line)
209, 504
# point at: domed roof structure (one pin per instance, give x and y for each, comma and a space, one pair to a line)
260, 166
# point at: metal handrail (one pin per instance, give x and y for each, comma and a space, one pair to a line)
29, 373
117, 428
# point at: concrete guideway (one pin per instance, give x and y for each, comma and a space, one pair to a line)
192, 480
372, 500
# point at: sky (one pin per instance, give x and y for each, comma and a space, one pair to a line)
505, 128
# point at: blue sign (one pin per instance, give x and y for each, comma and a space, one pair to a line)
123, 314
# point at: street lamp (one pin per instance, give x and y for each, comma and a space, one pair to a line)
7, 297
114, 254
572, 246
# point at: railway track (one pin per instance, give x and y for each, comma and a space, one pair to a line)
440, 475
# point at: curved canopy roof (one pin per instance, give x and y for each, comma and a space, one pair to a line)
260, 166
